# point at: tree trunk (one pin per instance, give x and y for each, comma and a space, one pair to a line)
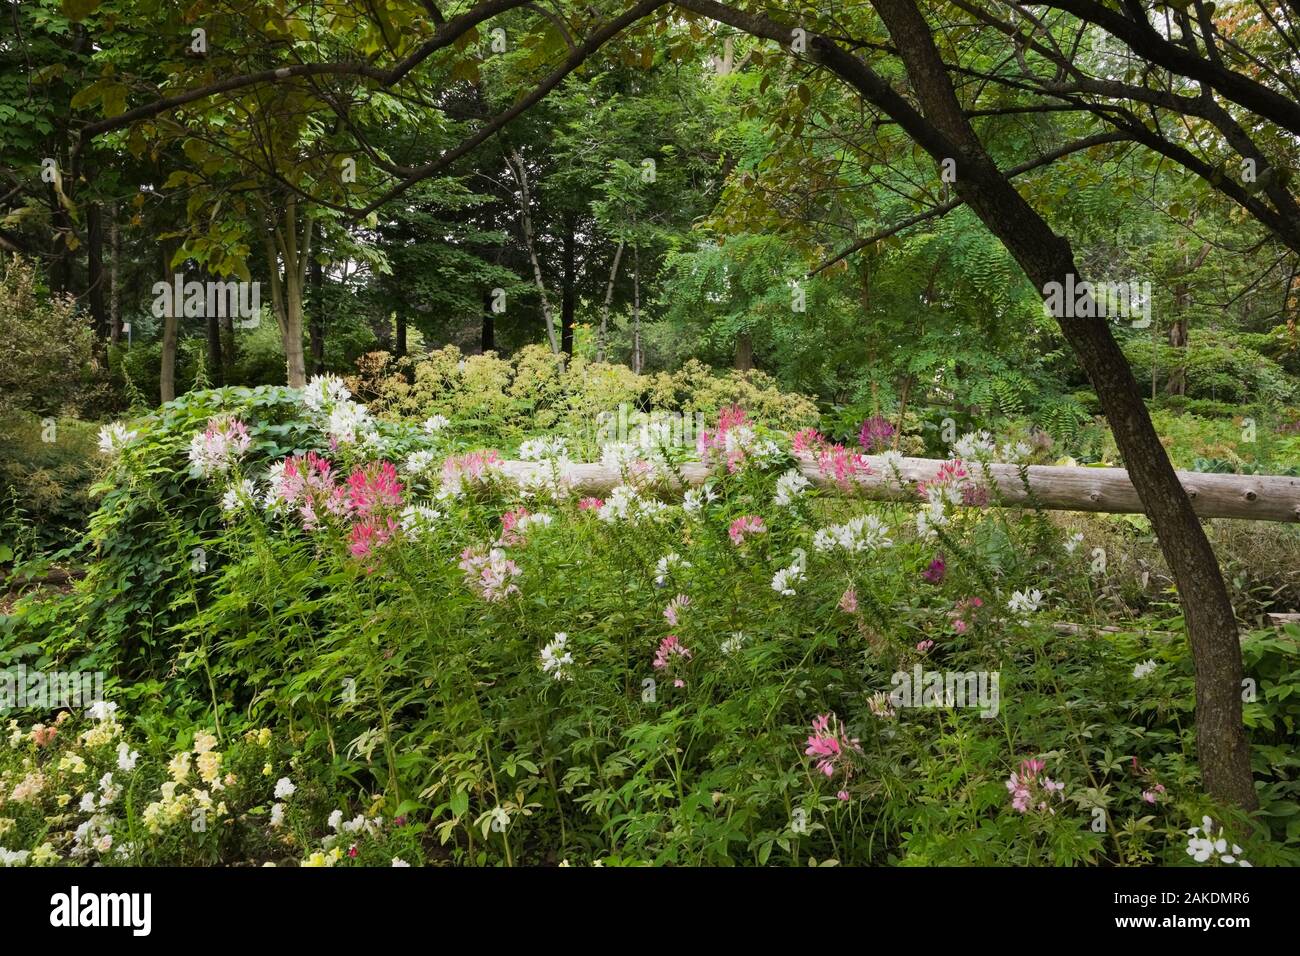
568, 297
744, 352
1223, 752
96, 285
290, 241
167, 371
516, 163
636, 310
114, 273
317, 330
61, 262
216, 374
489, 337
1050, 487
602, 341
399, 345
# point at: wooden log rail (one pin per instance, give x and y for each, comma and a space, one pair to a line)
1055, 488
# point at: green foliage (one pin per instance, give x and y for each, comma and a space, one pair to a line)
415, 667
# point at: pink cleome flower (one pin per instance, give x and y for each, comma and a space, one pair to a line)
746, 525
1030, 790
474, 467
875, 434
849, 601
963, 613
373, 488
807, 441
490, 574
954, 483
719, 443
591, 504
308, 484
669, 648
830, 747
675, 607
509, 525
836, 461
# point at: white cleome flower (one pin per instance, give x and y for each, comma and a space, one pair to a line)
235, 495
1025, 602
789, 487
323, 392
556, 659
1144, 669
348, 422
664, 567
784, 580
863, 533
113, 438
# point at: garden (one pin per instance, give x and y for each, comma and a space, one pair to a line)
645, 453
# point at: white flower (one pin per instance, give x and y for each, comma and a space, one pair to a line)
126, 758
346, 420
665, 565
624, 504
418, 519
13, 857
931, 516
539, 520
694, 500
544, 449
336, 820
783, 580
556, 658
1073, 542
1203, 845
277, 815
788, 487
284, 788
323, 392
109, 790
974, 445
435, 423
1015, 454
892, 466
398, 861
733, 643
113, 438
1025, 602
420, 462
235, 495
87, 804
1144, 669
863, 533
102, 710
217, 447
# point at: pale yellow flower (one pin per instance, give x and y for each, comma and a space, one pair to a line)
179, 767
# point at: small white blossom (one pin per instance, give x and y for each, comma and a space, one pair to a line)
556, 659
784, 580
1025, 602
789, 487
113, 438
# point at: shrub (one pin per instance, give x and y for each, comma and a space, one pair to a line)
537, 675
